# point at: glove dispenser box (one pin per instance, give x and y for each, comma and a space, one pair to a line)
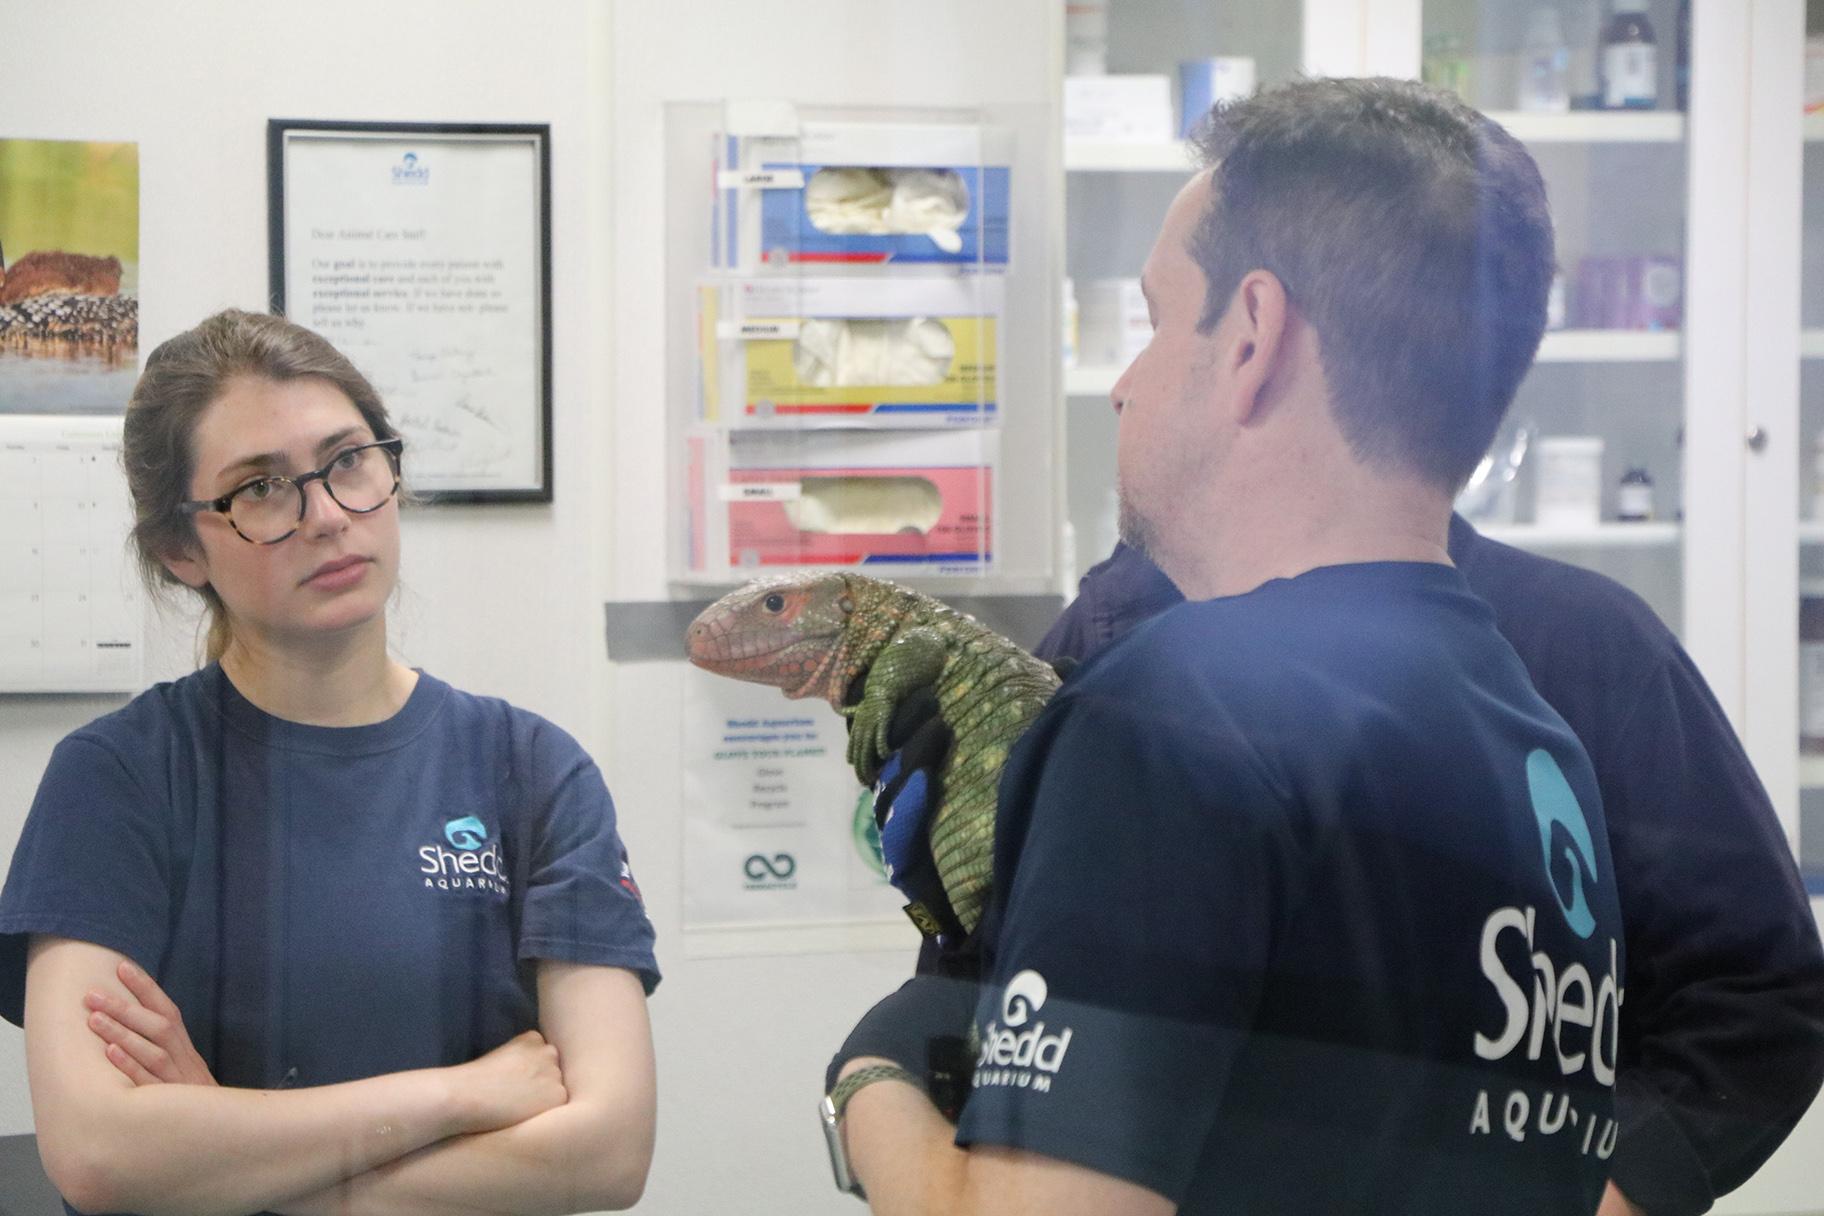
805, 353
899, 503
843, 193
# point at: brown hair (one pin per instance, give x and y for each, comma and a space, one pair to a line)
185, 376
1411, 232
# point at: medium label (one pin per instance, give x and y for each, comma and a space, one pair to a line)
730, 331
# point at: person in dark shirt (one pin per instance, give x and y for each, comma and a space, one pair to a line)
308, 929
1302, 895
1722, 1033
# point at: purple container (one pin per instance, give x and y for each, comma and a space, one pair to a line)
1658, 293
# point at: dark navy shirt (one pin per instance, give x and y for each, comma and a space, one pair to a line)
1303, 903
326, 904
1722, 1042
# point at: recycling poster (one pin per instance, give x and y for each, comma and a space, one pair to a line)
778, 832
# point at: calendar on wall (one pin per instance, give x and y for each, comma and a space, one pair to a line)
71, 608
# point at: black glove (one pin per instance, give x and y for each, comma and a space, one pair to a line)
906, 797
924, 1027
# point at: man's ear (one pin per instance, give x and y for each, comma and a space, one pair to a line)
1258, 314
187, 568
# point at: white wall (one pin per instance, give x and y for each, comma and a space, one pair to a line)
507, 600
742, 1043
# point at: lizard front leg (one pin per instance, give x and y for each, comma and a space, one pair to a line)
911, 660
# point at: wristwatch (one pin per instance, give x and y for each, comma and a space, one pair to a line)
831, 1109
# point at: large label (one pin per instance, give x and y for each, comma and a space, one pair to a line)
1630, 74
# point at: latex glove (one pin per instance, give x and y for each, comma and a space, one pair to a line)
836, 352
880, 202
848, 200
929, 202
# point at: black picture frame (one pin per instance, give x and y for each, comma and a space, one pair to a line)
279, 130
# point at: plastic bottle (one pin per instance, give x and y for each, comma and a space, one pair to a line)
1545, 63
1086, 37
1444, 64
1583, 32
1634, 501
1630, 59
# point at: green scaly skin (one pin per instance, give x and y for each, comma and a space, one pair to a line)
812, 635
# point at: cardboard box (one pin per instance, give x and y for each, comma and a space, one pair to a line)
912, 502
939, 194
1125, 109
823, 352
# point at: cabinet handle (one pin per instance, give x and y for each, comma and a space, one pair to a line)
1757, 439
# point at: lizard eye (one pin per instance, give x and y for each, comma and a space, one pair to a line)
774, 602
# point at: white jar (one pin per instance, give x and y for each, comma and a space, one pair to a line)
1568, 490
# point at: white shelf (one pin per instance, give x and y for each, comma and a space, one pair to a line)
1606, 127
1811, 344
1090, 381
1117, 156
1608, 346
1602, 536
1811, 772
1811, 531
1594, 127
1560, 346
1814, 127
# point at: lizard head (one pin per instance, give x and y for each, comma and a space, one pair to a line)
785, 632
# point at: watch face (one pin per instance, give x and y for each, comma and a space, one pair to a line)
839, 1157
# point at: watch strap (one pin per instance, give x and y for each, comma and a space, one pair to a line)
852, 1084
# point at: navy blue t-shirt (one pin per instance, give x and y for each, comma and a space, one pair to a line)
1303, 903
326, 904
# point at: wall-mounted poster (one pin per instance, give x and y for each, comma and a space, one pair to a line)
423, 251
69, 276
780, 855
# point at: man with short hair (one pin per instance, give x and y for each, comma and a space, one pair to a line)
1302, 900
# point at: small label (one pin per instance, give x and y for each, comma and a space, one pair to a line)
1630, 76
754, 331
761, 179
762, 491
1634, 503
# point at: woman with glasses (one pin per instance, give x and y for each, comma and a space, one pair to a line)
309, 930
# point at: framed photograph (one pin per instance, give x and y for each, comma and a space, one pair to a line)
69, 276
423, 251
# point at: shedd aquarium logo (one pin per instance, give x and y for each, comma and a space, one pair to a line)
473, 863
1016, 1052
410, 172
1570, 1029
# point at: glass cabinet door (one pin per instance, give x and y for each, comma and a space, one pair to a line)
1589, 466
1134, 70
1811, 463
